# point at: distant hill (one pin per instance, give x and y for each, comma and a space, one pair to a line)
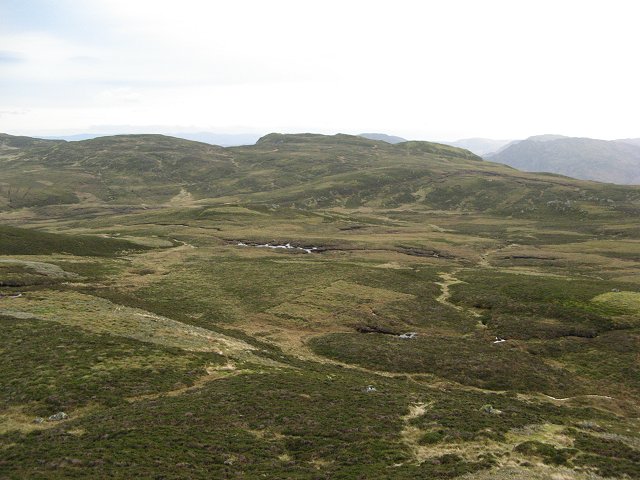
221, 139
479, 146
12, 141
383, 137
547, 137
585, 158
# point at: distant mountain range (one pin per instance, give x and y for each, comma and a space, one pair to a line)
383, 137
632, 141
613, 161
480, 146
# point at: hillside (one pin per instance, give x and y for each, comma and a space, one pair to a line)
305, 170
124, 168
585, 158
19, 241
12, 142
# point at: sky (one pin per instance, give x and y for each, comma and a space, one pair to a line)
429, 70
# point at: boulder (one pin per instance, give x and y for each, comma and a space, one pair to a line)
56, 417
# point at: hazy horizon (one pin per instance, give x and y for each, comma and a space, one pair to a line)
178, 131
419, 70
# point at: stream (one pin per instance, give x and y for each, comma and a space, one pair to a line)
286, 246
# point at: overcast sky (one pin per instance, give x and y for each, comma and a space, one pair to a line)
420, 69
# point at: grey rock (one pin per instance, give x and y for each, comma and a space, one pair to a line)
490, 410
56, 417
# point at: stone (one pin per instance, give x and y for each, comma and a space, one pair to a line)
408, 335
56, 417
489, 409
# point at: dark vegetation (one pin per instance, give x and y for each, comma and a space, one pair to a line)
524, 307
470, 361
281, 425
19, 241
80, 368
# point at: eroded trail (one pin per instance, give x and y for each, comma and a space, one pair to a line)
411, 434
213, 372
484, 257
449, 279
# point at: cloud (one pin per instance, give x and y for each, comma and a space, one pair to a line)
10, 57
7, 113
421, 69
119, 95
41, 55
83, 60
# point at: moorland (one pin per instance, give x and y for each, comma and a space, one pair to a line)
426, 313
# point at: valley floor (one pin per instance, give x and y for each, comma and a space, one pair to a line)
187, 355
